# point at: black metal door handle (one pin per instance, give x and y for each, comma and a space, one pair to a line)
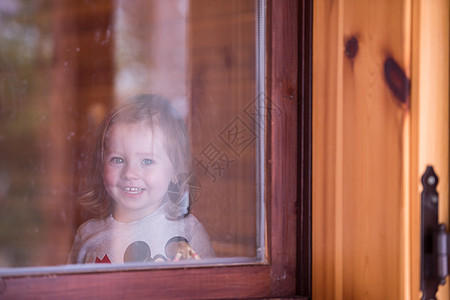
434, 239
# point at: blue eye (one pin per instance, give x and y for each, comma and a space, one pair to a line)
117, 160
147, 162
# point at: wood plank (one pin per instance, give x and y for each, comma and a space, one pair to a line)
430, 118
326, 284
282, 83
304, 162
246, 282
359, 146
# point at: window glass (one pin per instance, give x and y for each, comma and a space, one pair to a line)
65, 66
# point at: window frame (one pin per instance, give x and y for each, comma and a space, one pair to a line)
287, 271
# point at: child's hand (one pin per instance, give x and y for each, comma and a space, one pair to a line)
178, 248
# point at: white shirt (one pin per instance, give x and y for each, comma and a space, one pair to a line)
143, 240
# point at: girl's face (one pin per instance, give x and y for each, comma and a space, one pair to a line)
136, 171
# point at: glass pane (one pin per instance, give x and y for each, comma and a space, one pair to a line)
65, 68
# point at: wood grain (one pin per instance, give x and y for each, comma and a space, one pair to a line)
304, 234
159, 284
359, 149
282, 83
221, 84
429, 118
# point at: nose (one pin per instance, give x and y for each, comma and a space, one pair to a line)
130, 171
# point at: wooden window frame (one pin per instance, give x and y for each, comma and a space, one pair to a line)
287, 272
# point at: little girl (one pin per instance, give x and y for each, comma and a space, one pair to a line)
138, 188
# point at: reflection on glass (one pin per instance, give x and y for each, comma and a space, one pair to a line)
64, 65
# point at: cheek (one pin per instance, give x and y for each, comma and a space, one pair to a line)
160, 180
109, 176
169, 174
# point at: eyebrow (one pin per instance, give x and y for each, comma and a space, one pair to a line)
149, 154
108, 151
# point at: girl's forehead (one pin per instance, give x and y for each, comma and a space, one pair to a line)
135, 132
141, 128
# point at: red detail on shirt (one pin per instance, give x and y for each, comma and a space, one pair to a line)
105, 260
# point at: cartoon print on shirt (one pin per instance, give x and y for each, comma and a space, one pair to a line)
138, 252
104, 260
177, 247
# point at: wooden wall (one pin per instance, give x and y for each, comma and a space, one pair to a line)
223, 133
366, 112
430, 115
81, 94
62, 70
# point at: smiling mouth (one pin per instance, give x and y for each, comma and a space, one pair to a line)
133, 190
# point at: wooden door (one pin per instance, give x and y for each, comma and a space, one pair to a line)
380, 115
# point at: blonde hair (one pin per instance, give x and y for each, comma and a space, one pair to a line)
157, 112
